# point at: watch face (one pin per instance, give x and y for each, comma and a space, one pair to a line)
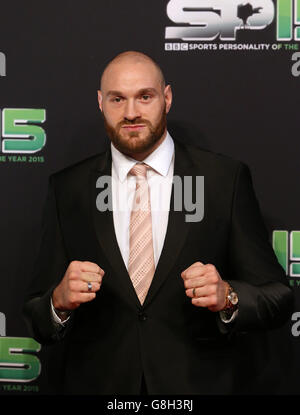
233, 298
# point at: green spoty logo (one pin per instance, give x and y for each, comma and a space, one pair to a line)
19, 132
287, 249
17, 363
288, 19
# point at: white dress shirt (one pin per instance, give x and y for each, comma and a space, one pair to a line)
159, 177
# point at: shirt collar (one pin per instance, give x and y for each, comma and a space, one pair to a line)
160, 159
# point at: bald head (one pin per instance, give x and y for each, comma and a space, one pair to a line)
132, 58
134, 102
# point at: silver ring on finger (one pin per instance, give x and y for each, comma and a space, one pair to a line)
194, 292
90, 286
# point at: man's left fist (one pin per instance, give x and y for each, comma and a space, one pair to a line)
205, 286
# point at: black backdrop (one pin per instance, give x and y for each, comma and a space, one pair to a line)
242, 103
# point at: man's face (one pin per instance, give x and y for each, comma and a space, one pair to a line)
134, 106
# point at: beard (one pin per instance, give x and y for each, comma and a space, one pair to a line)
133, 144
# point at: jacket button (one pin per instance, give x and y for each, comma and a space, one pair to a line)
142, 316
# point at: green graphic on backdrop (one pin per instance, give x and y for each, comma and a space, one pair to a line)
287, 249
288, 15
20, 136
17, 364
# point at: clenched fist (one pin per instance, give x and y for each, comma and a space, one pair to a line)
205, 286
79, 285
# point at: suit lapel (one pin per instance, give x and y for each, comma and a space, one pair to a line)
119, 280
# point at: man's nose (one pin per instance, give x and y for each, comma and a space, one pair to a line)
131, 111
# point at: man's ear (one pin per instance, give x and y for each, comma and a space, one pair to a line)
168, 97
100, 100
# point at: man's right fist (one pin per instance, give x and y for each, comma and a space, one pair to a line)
79, 285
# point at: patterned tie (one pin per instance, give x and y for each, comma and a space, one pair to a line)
141, 258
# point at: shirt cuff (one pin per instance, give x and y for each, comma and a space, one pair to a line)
228, 320
56, 317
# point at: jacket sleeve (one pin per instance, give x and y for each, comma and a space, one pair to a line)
49, 269
265, 299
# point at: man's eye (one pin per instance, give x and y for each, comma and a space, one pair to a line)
117, 99
146, 97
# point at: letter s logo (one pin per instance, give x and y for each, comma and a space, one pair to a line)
17, 363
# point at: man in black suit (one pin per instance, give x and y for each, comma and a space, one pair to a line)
216, 277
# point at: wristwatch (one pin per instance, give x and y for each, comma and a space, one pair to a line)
231, 304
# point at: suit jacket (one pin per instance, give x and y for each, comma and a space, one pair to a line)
181, 349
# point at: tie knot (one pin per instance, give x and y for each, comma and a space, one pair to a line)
139, 169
